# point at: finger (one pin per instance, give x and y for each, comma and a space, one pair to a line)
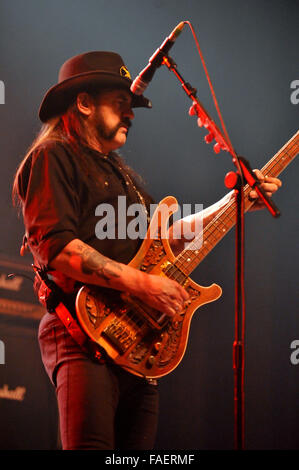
269, 187
184, 293
179, 290
166, 305
175, 303
271, 179
169, 311
178, 307
259, 175
253, 195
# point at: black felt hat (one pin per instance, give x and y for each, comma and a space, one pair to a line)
85, 72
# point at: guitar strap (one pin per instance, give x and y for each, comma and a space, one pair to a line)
50, 296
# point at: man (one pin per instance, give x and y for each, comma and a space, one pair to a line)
69, 170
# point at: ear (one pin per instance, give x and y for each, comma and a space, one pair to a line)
85, 103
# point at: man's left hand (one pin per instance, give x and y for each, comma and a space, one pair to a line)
269, 184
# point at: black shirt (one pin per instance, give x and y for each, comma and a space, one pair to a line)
62, 188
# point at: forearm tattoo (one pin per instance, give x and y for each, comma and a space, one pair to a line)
92, 262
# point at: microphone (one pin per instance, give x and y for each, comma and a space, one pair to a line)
142, 80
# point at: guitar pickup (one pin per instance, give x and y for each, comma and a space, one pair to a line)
119, 335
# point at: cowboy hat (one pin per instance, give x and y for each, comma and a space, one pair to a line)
84, 72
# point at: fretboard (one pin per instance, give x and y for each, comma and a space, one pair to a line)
201, 246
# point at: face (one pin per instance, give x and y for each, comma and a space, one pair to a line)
112, 118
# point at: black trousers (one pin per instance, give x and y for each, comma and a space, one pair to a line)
101, 406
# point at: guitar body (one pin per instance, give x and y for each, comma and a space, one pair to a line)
142, 340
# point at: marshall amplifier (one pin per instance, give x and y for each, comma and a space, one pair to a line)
28, 409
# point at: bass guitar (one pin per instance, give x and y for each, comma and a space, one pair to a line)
138, 338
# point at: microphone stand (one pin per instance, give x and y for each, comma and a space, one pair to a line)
233, 180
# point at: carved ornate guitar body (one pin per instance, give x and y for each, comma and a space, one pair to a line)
140, 339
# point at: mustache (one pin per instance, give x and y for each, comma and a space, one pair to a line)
125, 122
109, 134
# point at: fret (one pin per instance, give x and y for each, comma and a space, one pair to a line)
213, 230
193, 254
231, 219
219, 226
188, 262
174, 272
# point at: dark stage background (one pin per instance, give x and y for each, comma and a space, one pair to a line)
251, 51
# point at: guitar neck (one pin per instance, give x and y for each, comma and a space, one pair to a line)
201, 246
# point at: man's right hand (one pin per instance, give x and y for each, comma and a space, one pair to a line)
162, 293
81, 262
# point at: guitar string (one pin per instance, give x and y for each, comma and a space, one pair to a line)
230, 208
275, 164
270, 166
214, 229
173, 271
129, 182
